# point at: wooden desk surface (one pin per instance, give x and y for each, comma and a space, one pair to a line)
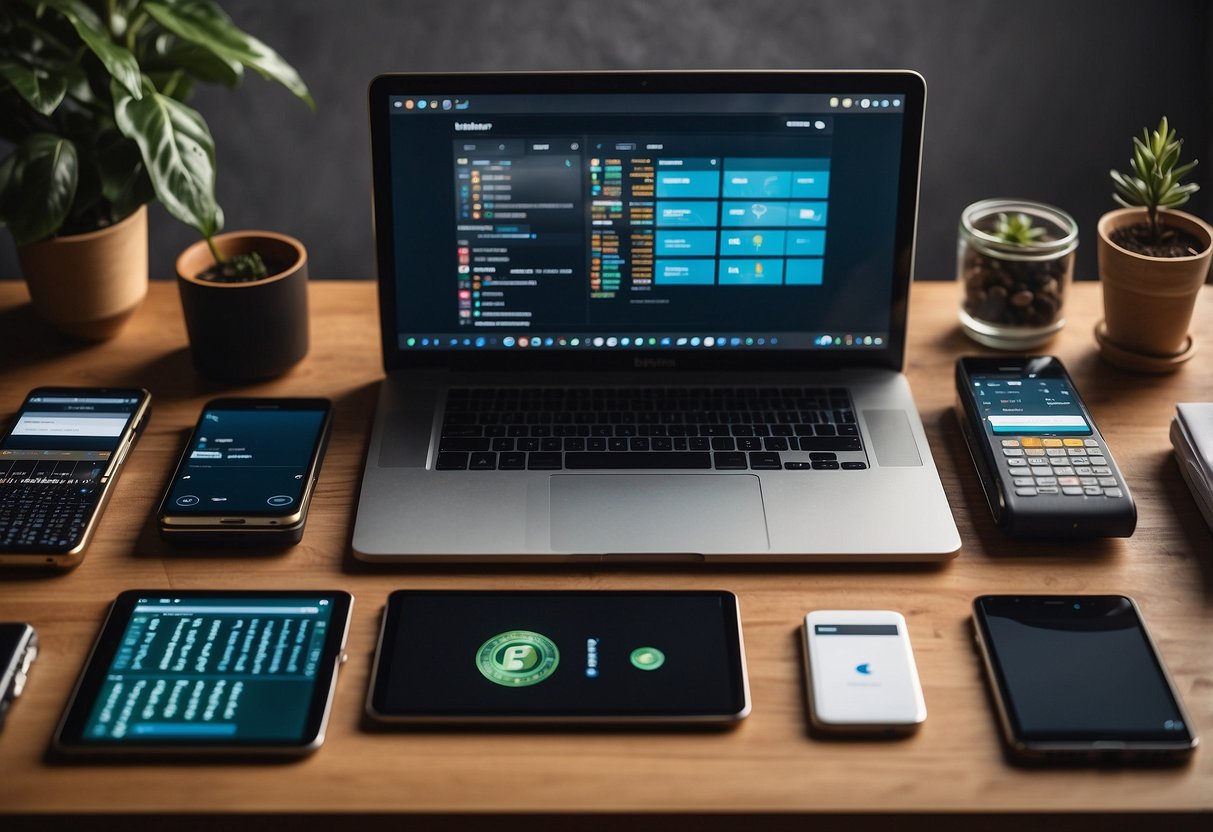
769, 764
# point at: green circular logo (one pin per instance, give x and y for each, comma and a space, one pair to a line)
647, 658
517, 658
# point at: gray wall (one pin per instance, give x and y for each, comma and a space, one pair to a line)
1034, 98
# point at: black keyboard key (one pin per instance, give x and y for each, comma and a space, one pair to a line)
830, 443
729, 460
775, 443
797, 466
595, 443
662, 443
541, 461
782, 430
764, 461
823, 455
503, 444
649, 460
452, 461
854, 466
517, 431
825, 430
528, 444
483, 462
461, 431
824, 465
640, 443
454, 444
848, 430
617, 444
574, 443
749, 443
551, 443
723, 443
699, 443
713, 430
511, 461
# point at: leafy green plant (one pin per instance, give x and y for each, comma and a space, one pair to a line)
1017, 229
1155, 182
93, 99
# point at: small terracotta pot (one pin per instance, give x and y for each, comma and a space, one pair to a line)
246, 331
87, 285
1148, 301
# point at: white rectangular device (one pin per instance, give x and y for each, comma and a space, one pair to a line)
861, 675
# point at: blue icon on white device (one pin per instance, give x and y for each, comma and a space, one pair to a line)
864, 669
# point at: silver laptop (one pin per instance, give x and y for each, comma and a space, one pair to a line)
647, 317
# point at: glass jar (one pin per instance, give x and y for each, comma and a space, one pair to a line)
1014, 293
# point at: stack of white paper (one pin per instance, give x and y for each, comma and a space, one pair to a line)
1192, 436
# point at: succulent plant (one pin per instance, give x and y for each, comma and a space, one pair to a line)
1155, 182
1017, 229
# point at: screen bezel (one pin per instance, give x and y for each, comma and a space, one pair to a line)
280, 519
134, 425
68, 736
906, 83
1104, 741
731, 618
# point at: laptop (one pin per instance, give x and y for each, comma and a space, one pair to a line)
647, 317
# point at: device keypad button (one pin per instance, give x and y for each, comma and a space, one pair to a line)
1072, 491
1092, 491
1038, 460
1046, 489
1090, 443
1113, 492
1064, 471
1016, 462
1010, 443
1056, 452
1012, 452
1031, 442
1026, 492
1052, 443
1068, 481
1108, 482
1046, 480
1098, 460
1072, 443
451, 461
1022, 481
1101, 471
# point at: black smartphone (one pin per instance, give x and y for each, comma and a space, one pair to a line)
18, 649
1044, 468
190, 672
248, 472
59, 462
1077, 678
560, 657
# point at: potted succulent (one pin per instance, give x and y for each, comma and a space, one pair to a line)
1152, 258
1015, 261
92, 99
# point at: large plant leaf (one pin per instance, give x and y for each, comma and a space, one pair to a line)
202, 22
118, 60
124, 181
178, 151
203, 64
43, 90
37, 186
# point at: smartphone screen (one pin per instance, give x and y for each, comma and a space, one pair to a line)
55, 461
574, 655
1078, 669
1028, 405
249, 457
207, 669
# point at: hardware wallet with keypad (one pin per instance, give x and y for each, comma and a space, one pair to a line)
1044, 467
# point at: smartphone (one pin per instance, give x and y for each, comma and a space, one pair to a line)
860, 673
248, 472
18, 649
562, 657
209, 672
1043, 465
1077, 678
59, 462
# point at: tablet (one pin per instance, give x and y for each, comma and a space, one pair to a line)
577, 657
200, 671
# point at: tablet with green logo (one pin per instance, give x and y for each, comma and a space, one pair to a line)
560, 656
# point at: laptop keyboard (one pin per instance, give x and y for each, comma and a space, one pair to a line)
634, 428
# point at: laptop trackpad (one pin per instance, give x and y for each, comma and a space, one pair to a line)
703, 514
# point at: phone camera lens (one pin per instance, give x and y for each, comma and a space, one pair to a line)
1078, 606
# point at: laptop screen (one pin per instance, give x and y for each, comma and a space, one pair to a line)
656, 221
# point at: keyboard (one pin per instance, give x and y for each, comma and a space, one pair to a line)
646, 428
44, 515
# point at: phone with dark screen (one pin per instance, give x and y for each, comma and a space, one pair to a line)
248, 472
1077, 678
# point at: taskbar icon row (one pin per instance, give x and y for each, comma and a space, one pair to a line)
682, 341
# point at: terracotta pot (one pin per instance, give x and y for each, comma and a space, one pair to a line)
1148, 301
87, 285
246, 331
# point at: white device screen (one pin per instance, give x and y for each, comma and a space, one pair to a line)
862, 672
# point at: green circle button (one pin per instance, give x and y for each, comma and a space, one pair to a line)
647, 658
517, 658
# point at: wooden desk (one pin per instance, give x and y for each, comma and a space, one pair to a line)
769, 764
